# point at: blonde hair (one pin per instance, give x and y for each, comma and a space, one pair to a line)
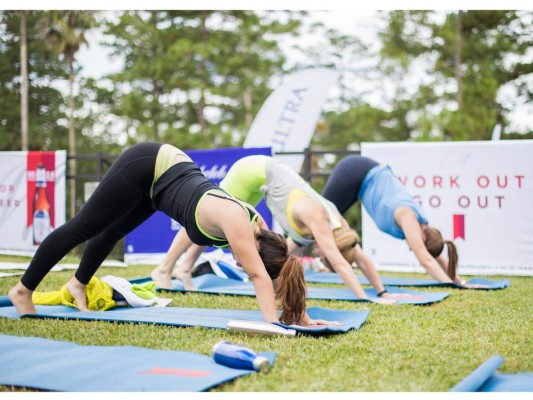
345, 239
435, 244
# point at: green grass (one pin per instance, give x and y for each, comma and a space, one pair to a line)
399, 348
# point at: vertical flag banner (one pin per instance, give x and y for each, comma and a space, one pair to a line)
288, 118
32, 198
149, 242
478, 194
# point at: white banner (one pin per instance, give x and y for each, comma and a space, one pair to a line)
32, 198
479, 194
288, 118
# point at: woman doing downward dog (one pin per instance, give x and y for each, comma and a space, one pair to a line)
155, 176
393, 210
307, 218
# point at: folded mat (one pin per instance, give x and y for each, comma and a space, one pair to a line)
486, 379
4, 274
177, 316
58, 267
328, 277
213, 284
68, 367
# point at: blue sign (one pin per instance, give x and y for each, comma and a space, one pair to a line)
156, 234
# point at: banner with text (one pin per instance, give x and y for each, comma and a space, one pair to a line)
32, 198
478, 194
149, 243
288, 118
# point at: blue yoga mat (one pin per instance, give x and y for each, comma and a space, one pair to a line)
486, 379
68, 367
213, 284
206, 317
325, 277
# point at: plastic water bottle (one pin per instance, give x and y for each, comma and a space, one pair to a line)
240, 357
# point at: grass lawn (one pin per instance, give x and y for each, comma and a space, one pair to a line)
400, 348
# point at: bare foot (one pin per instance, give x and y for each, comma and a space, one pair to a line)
77, 290
186, 278
162, 278
20, 296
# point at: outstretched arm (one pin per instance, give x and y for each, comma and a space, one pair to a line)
368, 269
240, 236
413, 235
323, 235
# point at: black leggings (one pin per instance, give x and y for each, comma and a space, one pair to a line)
120, 203
342, 187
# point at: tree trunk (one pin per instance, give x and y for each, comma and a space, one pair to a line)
71, 140
203, 68
457, 62
23, 81
247, 92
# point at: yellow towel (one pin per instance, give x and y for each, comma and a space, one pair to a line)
99, 296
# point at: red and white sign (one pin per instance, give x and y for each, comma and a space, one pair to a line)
32, 198
479, 194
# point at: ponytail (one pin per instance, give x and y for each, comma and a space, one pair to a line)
453, 258
289, 272
435, 244
292, 292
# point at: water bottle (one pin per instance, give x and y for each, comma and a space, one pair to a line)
236, 356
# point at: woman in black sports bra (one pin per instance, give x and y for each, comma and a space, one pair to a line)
153, 176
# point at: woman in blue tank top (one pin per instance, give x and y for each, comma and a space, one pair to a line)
393, 210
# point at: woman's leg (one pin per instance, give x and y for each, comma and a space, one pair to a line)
99, 247
124, 186
342, 187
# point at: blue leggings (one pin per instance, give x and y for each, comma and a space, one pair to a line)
342, 187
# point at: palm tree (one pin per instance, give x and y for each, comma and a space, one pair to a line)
23, 79
65, 32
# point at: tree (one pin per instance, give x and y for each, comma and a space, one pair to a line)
23, 80
45, 131
468, 57
193, 78
65, 33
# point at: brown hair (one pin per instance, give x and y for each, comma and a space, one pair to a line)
291, 284
345, 239
435, 244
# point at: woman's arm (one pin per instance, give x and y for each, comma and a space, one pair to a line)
239, 233
318, 224
368, 269
413, 236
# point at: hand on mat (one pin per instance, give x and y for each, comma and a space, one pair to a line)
314, 323
402, 296
474, 286
382, 300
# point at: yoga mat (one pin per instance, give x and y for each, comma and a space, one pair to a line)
58, 267
325, 277
213, 284
4, 274
486, 379
68, 367
177, 316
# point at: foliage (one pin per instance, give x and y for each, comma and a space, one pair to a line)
193, 78
46, 116
468, 57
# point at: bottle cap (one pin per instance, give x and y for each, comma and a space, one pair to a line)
261, 364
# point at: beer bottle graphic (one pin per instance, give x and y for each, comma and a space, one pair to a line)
41, 207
